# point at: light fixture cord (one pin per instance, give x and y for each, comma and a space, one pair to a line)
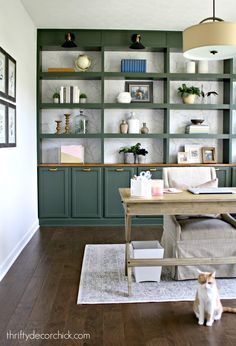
214, 18
214, 11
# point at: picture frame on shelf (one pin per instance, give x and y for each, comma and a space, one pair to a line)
3, 73
11, 79
11, 125
209, 155
140, 91
3, 124
183, 157
194, 153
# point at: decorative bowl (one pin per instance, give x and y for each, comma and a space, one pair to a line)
197, 121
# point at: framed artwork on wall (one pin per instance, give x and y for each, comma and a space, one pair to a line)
3, 124
11, 78
140, 91
11, 125
3, 73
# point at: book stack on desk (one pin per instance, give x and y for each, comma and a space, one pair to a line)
197, 129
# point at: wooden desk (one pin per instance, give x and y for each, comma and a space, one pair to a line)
172, 204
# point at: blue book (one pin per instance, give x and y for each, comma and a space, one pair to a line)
140, 65
122, 65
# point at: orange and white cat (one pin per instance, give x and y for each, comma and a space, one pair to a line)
207, 305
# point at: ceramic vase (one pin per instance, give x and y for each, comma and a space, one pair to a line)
144, 130
124, 127
133, 123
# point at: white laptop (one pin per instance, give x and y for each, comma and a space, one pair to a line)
210, 190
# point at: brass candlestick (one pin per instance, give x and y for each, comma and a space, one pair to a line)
67, 126
58, 128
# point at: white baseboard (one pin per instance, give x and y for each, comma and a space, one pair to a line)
17, 250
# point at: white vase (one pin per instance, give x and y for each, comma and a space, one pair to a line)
133, 123
190, 67
124, 97
203, 66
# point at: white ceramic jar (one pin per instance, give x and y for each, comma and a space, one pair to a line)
202, 66
124, 97
190, 66
133, 123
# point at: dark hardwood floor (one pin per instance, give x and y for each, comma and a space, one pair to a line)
39, 294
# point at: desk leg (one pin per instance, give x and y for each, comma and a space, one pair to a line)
128, 270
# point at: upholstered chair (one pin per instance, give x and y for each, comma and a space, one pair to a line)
201, 235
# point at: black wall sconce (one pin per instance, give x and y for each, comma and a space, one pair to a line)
136, 38
69, 42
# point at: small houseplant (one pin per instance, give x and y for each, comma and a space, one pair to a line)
208, 95
128, 154
56, 98
83, 98
141, 155
188, 94
134, 152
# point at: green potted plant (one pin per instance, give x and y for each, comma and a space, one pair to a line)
128, 154
188, 94
83, 98
141, 155
56, 97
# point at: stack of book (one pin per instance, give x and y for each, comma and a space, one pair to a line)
133, 65
61, 69
197, 129
69, 94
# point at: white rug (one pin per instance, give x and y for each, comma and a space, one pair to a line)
103, 281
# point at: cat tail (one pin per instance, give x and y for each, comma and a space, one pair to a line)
228, 309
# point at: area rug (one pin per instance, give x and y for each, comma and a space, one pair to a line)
103, 281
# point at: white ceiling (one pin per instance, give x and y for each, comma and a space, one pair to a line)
125, 14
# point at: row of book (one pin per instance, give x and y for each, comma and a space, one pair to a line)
69, 94
197, 129
133, 65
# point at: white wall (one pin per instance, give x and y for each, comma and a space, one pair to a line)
18, 166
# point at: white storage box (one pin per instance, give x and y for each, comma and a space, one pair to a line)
141, 188
147, 249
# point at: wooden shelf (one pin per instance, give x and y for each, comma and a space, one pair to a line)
70, 75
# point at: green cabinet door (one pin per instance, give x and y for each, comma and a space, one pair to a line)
86, 192
116, 177
54, 192
224, 176
233, 183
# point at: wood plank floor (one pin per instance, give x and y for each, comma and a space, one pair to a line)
40, 290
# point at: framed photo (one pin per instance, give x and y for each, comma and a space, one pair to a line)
3, 124
3, 73
140, 91
209, 155
183, 157
194, 153
11, 78
11, 125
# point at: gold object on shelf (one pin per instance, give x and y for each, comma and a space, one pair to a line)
67, 127
58, 128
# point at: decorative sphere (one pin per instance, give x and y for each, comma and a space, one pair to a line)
83, 62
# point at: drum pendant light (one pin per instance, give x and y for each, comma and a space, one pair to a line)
211, 39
